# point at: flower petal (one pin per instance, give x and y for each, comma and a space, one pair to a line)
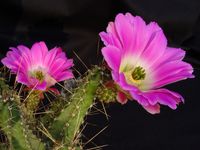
172, 72
38, 50
121, 98
164, 97
156, 42
112, 56
152, 109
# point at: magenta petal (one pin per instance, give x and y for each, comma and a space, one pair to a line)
41, 86
38, 50
123, 83
10, 64
112, 57
16, 60
105, 38
172, 54
64, 76
164, 97
172, 72
22, 78
58, 66
137, 42
50, 57
150, 53
125, 31
137, 95
152, 109
121, 98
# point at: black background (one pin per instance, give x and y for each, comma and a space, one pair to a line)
74, 25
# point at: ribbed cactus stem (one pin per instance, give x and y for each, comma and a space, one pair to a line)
31, 102
68, 123
13, 124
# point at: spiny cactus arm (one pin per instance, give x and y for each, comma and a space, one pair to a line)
13, 123
5, 122
83, 100
67, 124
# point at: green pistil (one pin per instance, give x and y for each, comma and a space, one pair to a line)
39, 75
138, 73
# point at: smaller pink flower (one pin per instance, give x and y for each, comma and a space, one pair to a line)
37, 67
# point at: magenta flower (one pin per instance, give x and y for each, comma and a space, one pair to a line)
37, 67
141, 62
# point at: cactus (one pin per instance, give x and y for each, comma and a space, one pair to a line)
71, 117
13, 124
24, 130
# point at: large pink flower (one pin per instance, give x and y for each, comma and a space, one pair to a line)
37, 67
142, 63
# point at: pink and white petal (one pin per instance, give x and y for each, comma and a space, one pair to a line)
44, 48
70, 63
137, 42
38, 51
124, 85
111, 28
152, 109
176, 95
61, 54
114, 38
112, 56
50, 57
64, 76
121, 98
13, 59
35, 84
10, 64
124, 31
41, 86
156, 46
58, 66
26, 57
105, 38
170, 54
115, 76
151, 96
172, 79
138, 96
172, 72
22, 78
166, 97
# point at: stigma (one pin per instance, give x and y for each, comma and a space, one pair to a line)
135, 76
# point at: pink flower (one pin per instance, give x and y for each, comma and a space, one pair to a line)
37, 67
141, 62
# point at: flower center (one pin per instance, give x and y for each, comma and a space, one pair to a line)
135, 76
38, 75
138, 73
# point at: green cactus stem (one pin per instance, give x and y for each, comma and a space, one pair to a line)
30, 103
13, 124
68, 123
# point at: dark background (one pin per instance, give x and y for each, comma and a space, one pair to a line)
74, 25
